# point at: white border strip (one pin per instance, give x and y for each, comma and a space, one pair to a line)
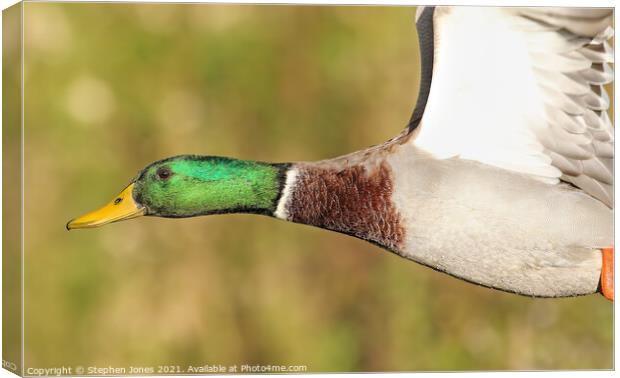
291, 178
23, 191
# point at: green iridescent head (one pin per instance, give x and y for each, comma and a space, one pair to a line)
190, 185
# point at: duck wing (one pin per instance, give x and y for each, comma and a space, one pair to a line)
519, 88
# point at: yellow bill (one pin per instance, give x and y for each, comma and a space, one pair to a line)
120, 208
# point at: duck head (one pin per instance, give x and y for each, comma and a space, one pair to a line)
190, 185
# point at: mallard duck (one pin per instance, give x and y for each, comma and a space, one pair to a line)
502, 177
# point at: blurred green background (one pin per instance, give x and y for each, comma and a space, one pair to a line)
112, 87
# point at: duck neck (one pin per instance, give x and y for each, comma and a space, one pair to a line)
251, 187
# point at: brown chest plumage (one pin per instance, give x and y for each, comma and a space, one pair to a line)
352, 200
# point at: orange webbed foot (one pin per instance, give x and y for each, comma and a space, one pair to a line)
607, 273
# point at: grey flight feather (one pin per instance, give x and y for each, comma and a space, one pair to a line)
579, 136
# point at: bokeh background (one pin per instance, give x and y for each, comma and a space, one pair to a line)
112, 87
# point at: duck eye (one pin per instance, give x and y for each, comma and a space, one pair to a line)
163, 173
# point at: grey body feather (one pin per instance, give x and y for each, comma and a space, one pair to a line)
499, 228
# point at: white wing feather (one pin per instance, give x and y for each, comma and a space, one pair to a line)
522, 89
